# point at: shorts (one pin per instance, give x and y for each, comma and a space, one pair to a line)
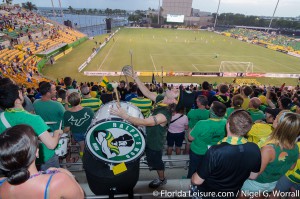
154, 159
284, 184
253, 186
78, 137
176, 138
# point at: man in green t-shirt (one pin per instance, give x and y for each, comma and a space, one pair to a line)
195, 115
49, 110
205, 134
156, 126
11, 101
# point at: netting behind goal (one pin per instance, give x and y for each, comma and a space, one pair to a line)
236, 67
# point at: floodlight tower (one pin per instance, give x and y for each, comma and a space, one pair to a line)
273, 16
158, 16
54, 14
217, 14
61, 10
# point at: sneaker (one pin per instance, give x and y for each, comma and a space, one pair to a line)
157, 182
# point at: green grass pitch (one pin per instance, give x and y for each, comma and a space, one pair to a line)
175, 50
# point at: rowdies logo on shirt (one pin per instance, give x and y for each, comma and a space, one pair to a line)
115, 142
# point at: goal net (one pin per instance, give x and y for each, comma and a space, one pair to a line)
236, 67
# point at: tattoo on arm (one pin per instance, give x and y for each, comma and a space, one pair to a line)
155, 120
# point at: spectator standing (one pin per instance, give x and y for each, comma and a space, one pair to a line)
12, 100
205, 134
156, 127
236, 104
77, 119
123, 89
49, 110
246, 93
88, 100
109, 95
222, 96
144, 104
69, 85
132, 94
195, 115
176, 131
227, 165
206, 91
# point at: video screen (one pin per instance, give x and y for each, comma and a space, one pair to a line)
175, 18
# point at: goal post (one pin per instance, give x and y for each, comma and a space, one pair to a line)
236, 67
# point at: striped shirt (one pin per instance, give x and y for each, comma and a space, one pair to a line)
93, 103
144, 104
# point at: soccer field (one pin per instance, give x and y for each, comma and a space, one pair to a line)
182, 50
176, 51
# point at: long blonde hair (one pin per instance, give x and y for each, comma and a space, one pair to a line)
287, 130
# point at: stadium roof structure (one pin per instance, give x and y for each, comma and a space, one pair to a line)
256, 28
53, 49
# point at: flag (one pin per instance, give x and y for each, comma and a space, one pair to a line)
282, 86
153, 79
104, 81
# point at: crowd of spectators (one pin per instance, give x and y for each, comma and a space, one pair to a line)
282, 42
200, 122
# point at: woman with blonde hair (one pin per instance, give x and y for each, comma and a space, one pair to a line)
18, 152
279, 154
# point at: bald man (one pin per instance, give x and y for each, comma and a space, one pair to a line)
255, 113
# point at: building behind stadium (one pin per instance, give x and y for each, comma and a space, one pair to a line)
182, 12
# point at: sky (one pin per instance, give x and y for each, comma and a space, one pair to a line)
286, 8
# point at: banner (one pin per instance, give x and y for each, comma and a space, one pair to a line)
293, 54
277, 75
210, 74
99, 73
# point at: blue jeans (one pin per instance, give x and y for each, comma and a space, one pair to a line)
52, 162
195, 159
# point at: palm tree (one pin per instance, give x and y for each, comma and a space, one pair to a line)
29, 6
9, 2
71, 9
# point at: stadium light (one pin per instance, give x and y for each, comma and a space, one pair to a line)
158, 11
273, 16
54, 13
217, 14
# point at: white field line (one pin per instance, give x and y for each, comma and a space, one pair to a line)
195, 67
153, 62
107, 54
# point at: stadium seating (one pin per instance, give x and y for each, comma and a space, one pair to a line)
23, 55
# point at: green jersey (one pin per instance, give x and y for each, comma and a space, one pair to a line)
256, 114
144, 104
79, 121
283, 161
93, 103
50, 111
195, 115
206, 133
156, 135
